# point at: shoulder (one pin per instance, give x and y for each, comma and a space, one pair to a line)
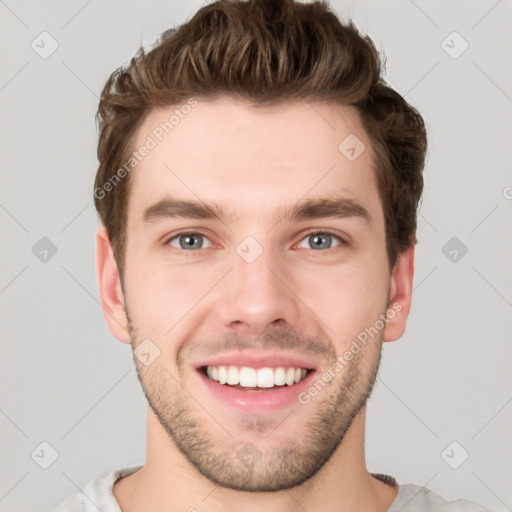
97, 493
421, 499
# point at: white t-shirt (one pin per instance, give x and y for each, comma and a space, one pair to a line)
97, 495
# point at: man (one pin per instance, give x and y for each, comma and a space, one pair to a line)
258, 187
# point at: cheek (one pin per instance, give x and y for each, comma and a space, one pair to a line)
347, 300
162, 298
156, 297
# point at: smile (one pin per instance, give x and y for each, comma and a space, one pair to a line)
247, 377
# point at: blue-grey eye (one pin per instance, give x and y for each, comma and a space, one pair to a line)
320, 241
189, 241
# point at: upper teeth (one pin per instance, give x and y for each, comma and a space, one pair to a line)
255, 377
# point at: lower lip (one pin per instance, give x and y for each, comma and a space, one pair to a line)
268, 399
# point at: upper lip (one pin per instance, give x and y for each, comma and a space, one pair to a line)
257, 360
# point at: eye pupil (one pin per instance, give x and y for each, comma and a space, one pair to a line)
191, 242
322, 241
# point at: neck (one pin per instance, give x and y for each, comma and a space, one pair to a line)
343, 483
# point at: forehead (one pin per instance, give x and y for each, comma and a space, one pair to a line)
252, 159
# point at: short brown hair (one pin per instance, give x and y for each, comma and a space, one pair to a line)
268, 52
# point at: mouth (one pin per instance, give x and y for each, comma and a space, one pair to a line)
255, 379
255, 383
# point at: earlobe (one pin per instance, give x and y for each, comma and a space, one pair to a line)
400, 295
109, 283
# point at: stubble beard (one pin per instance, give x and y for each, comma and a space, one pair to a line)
214, 452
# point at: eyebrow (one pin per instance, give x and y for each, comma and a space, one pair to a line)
336, 207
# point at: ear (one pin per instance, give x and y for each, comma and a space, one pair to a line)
400, 292
109, 282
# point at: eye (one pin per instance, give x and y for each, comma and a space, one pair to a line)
321, 240
189, 241
192, 241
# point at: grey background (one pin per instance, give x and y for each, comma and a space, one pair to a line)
66, 381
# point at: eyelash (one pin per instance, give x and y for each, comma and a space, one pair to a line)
317, 232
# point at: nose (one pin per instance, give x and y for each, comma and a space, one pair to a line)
258, 295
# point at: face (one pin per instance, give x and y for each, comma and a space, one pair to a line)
255, 258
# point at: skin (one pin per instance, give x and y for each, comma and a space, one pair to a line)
194, 303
